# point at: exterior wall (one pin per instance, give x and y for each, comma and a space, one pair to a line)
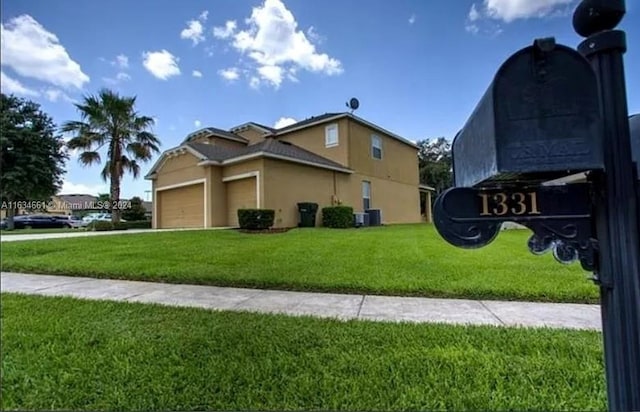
218, 141
253, 135
313, 140
287, 183
217, 197
256, 165
179, 169
398, 202
399, 161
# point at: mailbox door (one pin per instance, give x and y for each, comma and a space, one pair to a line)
547, 114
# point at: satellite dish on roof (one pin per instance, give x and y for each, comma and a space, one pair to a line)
353, 104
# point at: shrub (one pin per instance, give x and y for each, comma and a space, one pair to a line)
100, 226
337, 216
138, 224
256, 219
120, 226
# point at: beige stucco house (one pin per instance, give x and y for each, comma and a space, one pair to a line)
335, 158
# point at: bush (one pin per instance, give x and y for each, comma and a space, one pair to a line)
337, 216
100, 226
256, 219
138, 224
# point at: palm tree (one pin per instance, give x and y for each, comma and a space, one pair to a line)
111, 120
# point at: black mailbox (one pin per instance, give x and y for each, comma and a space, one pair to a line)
539, 120
634, 132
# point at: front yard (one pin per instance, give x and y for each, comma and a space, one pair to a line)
394, 260
65, 354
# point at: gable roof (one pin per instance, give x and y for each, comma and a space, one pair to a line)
253, 125
213, 131
268, 148
329, 117
77, 199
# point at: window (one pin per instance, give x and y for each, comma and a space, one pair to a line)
376, 147
366, 195
331, 135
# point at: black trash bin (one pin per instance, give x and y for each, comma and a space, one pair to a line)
307, 213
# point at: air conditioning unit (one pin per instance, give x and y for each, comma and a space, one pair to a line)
360, 219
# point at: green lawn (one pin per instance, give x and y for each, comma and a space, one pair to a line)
395, 260
35, 231
60, 353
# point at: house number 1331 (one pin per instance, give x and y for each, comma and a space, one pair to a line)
518, 203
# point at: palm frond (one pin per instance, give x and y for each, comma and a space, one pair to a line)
89, 158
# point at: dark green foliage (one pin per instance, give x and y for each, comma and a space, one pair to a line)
137, 224
255, 219
101, 226
337, 217
136, 211
435, 162
33, 154
110, 120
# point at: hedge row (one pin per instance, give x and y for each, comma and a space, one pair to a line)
102, 225
339, 217
256, 219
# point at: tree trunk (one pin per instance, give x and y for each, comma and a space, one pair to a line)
115, 198
11, 212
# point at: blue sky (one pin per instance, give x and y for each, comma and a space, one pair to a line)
418, 67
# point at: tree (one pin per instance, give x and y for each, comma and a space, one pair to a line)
136, 211
110, 120
33, 155
105, 201
435, 163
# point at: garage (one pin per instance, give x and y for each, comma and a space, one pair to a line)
181, 207
241, 194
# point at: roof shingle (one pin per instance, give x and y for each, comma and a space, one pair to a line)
269, 145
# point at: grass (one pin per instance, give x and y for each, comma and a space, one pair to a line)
394, 260
60, 353
35, 231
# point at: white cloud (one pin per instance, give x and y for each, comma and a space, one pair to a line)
193, 32
272, 74
412, 19
314, 36
284, 122
274, 43
13, 86
204, 15
122, 76
225, 31
121, 61
161, 64
197, 123
32, 51
196, 73
472, 28
510, 10
81, 188
54, 95
254, 82
230, 74
473, 13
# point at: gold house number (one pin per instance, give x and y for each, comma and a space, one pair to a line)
518, 204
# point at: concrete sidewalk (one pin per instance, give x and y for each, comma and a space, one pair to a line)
82, 233
341, 306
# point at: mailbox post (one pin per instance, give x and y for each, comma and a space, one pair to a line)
552, 111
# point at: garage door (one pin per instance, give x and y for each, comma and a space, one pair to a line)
181, 207
241, 194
